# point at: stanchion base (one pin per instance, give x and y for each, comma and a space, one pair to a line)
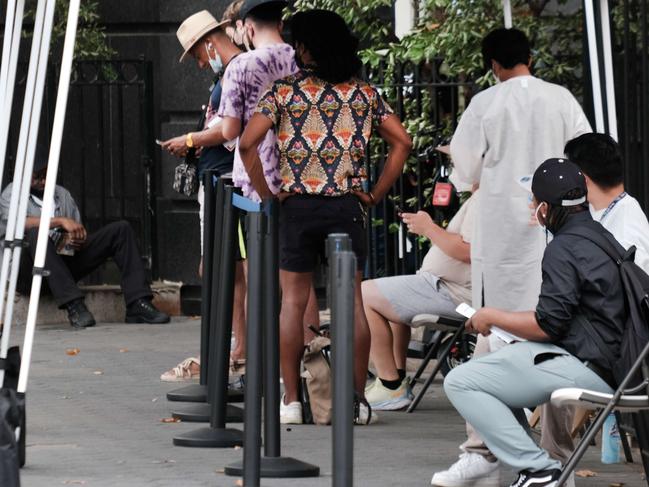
191, 393
210, 438
200, 413
198, 393
277, 468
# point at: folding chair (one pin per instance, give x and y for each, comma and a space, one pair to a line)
634, 400
443, 326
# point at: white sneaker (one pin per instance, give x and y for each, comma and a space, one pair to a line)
290, 413
471, 470
365, 415
383, 399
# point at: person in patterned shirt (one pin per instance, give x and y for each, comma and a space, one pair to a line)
323, 117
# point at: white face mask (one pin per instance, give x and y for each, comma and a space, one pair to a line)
216, 64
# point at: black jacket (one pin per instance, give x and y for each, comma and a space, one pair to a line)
580, 282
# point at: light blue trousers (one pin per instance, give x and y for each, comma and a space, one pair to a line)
490, 392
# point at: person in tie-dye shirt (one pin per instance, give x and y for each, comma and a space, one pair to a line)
324, 117
247, 77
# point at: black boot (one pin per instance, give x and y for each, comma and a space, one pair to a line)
79, 315
142, 311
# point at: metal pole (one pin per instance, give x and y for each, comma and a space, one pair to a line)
342, 271
27, 142
216, 435
272, 464
10, 51
50, 184
594, 65
252, 451
272, 437
206, 281
608, 68
507, 13
223, 311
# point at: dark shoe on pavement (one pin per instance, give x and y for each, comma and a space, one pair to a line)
79, 315
142, 311
542, 478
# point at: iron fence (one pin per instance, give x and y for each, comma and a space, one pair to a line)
429, 102
106, 154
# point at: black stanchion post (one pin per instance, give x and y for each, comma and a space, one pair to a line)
213, 231
213, 235
273, 465
342, 270
217, 435
252, 451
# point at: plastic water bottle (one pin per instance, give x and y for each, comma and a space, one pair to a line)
610, 440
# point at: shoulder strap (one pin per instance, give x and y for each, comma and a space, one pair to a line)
615, 252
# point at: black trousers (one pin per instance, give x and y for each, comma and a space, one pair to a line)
115, 240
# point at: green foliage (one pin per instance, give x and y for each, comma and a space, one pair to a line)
91, 37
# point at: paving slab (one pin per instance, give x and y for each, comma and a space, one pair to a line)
94, 419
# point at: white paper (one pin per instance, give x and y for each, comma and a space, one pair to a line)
467, 311
230, 144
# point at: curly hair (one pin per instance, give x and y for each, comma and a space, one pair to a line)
333, 47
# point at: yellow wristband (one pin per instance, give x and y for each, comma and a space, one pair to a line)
189, 142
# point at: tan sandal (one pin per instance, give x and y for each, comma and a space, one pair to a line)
182, 372
238, 366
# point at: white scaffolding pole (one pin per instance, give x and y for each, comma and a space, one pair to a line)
507, 13
50, 185
608, 68
10, 50
27, 142
594, 65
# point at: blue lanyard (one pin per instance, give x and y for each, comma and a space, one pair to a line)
612, 205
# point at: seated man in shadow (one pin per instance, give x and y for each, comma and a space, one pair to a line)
73, 254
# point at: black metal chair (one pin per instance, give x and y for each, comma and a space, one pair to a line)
439, 347
634, 400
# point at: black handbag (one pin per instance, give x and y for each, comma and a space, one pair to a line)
186, 173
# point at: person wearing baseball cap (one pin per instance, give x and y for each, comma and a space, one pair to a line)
581, 305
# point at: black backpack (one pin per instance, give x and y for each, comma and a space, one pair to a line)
635, 284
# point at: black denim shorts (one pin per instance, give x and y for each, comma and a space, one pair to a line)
305, 222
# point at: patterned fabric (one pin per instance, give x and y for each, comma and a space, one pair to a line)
246, 77
322, 131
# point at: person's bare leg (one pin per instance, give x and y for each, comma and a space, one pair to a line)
311, 316
362, 339
295, 294
401, 340
239, 313
379, 312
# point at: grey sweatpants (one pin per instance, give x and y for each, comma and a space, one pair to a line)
490, 392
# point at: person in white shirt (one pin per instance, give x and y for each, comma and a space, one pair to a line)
504, 134
600, 159
390, 303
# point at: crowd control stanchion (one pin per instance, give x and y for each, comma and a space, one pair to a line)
48, 203
342, 271
200, 412
216, 435
272, 464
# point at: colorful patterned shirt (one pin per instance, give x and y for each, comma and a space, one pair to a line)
322, 131
247, 76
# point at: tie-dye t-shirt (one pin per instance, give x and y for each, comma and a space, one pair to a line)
248, 76
322, 131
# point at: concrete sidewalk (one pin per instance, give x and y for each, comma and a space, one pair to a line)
94, 419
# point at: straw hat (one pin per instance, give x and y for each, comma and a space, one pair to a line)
194, 28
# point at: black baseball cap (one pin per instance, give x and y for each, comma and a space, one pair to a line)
249, 5
554, 179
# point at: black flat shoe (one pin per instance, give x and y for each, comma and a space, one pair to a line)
79, 315
142, 311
